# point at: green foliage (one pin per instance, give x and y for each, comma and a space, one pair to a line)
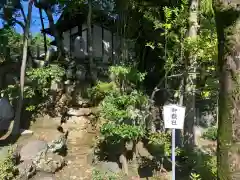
98, 175
7, 166
102, 89
203, 164
163, 142
13, 41
39, 86
125, 110
43, 77
210, 134
126, 75
195, 176
119, 107
117, 132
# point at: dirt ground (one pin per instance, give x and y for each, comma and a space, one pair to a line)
80, 141
80, 144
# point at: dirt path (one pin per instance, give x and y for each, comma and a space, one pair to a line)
80, 141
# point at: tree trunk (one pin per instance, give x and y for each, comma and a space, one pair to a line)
30, 57
228, 28
55, 32
191, 78
90, 42
16, 128
44, 34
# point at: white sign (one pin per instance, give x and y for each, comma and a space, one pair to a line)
173, 116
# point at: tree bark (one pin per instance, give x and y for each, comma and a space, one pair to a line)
55, 32
90, 42
30, 57
16, 128
44, 34
228, 27
191, 78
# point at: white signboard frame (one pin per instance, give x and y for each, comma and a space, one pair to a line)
173, 116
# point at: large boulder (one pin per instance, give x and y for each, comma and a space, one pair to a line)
6, 113
43, 176
49, 162
31, 149
79, 112
59, 145
109, 167
26, 170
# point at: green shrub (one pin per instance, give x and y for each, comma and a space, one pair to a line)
210, 134
101, 90
7, 166
124, 107
39, 86
161, 141
203, 164
98, 175
117, 132
42, 78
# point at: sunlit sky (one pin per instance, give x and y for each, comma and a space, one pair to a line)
36, 22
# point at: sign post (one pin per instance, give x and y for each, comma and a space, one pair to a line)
173, 116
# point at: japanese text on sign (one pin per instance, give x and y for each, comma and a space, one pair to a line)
173, 116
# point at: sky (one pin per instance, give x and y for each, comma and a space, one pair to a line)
36, 22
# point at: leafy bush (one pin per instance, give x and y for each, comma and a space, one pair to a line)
210, 134
39, 86
205, 165
42, 78
195, 176
121, 73
7, 166
97, 175
124, 110
102, 89
115, 133
162, 142
199, 164
120, 107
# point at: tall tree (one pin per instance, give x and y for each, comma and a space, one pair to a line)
90, 41
191, 76
44, 34
228, 27
17, 123
48, 7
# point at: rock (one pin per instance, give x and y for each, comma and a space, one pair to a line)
111, 167
59, 145
26, 170
47, 161
79, 112
6, 113
31, 149
43, 176
56, 86
26, 132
